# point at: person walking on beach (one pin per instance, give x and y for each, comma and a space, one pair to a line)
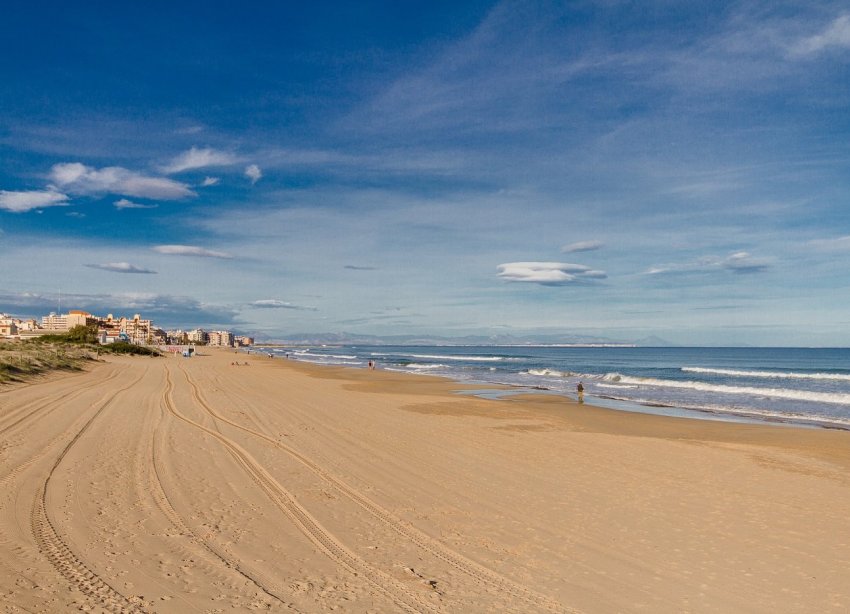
580, 390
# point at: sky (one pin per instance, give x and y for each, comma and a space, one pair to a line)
615, 169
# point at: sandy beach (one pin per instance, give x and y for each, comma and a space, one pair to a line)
195, 485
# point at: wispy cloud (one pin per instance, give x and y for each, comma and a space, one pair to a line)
253, 173
78, 178
834, 244
738, 262
272, 303
190, 130
209, 181
353, 267
19, 202
199, 158
744, 262
121, 267
548, 273
835, 35
582, 246
190, 250
129, 204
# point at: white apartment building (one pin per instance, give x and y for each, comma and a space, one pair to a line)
54, 322
197, 336
59, 322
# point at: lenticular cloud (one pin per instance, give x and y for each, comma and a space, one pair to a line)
547, 273
189, 250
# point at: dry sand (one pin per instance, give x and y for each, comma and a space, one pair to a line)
176, 485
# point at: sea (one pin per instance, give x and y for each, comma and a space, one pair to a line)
797, 386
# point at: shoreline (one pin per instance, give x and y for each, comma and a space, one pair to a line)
717, 408
611, 420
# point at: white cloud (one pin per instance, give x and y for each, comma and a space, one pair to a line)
836, 34
189, 250
199, 158
208, 181
547, 273
836, 244
81, 179
129, 204
190, 130
120, 267
738, 262
744, 262
253, 173
582, 246
18, 202
595, 274
68, 173
272, 303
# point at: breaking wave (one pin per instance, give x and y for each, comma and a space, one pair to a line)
461, 358
776, 393
549, 373
845, 377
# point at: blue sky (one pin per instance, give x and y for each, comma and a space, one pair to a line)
598, 168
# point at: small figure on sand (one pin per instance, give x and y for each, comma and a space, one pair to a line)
371, 365
580, 390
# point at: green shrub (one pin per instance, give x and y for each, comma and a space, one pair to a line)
122, 347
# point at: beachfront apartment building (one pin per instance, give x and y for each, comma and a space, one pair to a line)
199, 335
61, 323
177, 337
136, 329
221, 338
54, 322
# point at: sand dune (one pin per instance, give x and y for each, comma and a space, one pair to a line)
174, 485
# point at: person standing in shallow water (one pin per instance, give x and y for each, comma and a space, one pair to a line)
580, 390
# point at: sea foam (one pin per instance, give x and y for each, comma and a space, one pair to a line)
776, 393
845, 377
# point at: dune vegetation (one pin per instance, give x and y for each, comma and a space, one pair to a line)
69, 351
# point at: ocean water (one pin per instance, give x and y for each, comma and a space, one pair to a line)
809, 386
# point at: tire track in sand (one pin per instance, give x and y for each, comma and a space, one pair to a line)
157, 491
59, 554
41, 403
310, 527
45, 448
474, 570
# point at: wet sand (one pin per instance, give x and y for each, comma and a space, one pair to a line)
179, 485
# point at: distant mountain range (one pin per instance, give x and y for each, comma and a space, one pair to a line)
355, 339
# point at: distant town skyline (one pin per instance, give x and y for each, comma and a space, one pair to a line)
109, 328
597, 169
